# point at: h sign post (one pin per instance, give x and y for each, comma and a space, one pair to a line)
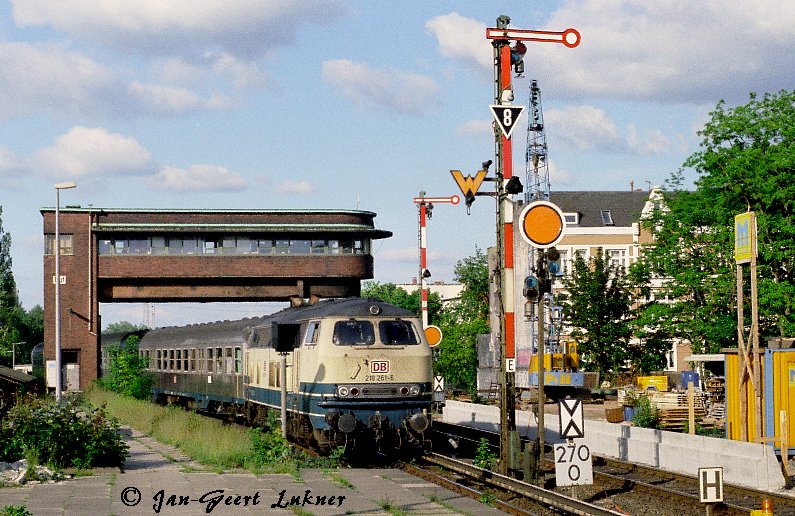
710, 482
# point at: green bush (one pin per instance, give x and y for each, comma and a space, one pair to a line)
127, 372
15, 510
61, 435
484, 457
646, 414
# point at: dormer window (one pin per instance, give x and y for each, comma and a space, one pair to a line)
607, 219
572, 218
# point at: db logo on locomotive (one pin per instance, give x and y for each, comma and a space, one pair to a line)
379, 366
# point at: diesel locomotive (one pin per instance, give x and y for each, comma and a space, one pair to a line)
359, 372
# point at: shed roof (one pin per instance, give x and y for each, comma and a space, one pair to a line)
13, 376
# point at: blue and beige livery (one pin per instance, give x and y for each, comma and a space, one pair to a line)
360, 372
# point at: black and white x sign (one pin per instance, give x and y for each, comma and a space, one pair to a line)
571, 419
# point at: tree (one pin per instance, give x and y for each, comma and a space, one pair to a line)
746, 162
391, 293
462, 321
124, 327
11, 312
596, 305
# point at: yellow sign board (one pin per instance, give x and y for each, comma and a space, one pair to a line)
469, 185
744, 237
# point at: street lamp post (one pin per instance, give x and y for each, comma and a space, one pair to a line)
57, 251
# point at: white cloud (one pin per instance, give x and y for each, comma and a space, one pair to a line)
165, 99
582, 128
399, 255
197, 178
365, 86
646, 142
475, 128
462, 39
55, 79
178, 27
671, 51
647, 49
86, 152
9, 169
52, 78
300, 187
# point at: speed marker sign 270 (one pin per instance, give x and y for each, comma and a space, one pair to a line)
573, 465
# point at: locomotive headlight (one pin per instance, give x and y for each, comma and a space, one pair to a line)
414, 390
342, 391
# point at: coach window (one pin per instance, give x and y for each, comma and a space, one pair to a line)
159, 359
281, 247
192, 366
397, 332
210, 360
353, 333
219, 360
312, 333
201, 360
179, 360
171, 359
229, 366
184, 359
238, 360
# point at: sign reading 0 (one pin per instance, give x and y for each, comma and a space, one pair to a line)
542, 224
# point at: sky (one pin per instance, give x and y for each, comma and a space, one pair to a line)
307, 104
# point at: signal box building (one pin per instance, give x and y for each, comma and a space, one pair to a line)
129, 255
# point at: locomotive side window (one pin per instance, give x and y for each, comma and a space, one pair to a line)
312, 333
353, 333
399, 333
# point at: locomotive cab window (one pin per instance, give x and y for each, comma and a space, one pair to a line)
353, 333
397, 332
312, 333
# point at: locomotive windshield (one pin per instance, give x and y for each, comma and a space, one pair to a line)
354, 333
400, 333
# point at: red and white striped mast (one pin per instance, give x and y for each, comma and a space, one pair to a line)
426, 208
501, 37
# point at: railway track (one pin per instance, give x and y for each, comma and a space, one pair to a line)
618, 487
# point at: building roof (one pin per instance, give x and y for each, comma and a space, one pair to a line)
624, 207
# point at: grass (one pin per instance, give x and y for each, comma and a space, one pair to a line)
207, 441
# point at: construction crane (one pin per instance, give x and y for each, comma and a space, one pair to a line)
536, 169
560, 361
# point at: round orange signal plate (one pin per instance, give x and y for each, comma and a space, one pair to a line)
542, 224
434, 335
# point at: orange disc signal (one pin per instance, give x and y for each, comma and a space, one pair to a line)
542, 224
434, 335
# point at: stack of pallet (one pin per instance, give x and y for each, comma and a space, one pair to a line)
673, 409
